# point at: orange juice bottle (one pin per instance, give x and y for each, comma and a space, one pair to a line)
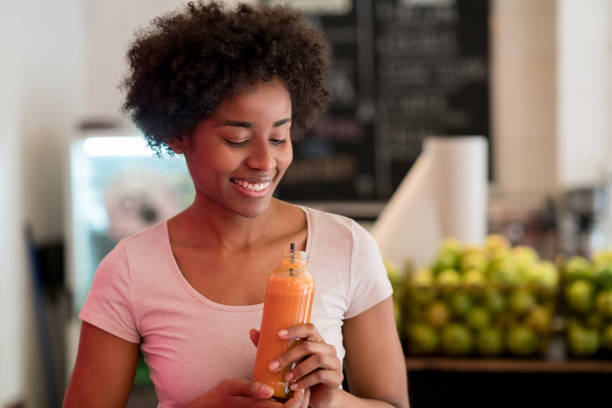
288, 303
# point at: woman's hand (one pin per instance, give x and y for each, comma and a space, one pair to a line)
239, 393
317, 365
300, 398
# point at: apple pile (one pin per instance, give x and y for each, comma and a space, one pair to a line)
587, 290
488, 300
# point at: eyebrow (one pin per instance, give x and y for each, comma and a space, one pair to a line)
249, 125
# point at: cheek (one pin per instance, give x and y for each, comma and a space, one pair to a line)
207, 168
286, 158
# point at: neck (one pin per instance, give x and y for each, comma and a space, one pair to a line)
206, 224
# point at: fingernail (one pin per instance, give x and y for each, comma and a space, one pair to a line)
294, 387
289, 376
274, 365
266, 391
282, 333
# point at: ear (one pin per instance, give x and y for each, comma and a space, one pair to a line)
177, 144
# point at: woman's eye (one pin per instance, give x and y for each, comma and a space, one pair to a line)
236, 144
278, 141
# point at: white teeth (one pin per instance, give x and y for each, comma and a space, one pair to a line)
252, 186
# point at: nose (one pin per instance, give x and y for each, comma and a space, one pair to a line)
261, 157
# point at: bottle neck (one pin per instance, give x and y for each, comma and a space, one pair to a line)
295, 259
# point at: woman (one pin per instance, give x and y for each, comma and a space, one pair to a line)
230, 89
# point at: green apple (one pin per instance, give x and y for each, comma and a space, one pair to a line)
495, 242
421, 289
495, 300
420, 295
503, 272
456, 339
459, 303
582, 341
525, 259
490, 341
422, 277
437, 314
544, 275
522, 340
451, 244
525, 255
478, 318
521, 301
448, 279
474, 260
604, 302
577, 268
603, 258
423, 339
474, 279
445, 259
579, 295
538, 319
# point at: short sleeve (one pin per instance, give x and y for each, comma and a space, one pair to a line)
368, 281
109, 304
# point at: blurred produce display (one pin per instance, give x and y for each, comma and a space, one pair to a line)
494, 300
587, 295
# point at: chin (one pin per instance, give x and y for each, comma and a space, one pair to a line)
253, 211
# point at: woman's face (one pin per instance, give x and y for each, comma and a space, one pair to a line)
237, 156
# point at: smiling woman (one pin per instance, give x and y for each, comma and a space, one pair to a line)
229, 90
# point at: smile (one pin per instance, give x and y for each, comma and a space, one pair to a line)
255, 187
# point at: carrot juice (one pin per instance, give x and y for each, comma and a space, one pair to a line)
288, 303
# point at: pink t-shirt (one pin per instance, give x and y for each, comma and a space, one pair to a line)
190, 342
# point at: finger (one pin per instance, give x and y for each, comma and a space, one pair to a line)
254, 335
329, 378
240, 387
296, 400
303, 331
306, 399
299, 352
313, 363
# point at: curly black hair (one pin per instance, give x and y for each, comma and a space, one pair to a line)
188, 61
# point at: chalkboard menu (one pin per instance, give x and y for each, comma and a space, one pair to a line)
401, 70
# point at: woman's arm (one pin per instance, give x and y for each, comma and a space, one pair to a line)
104, 370
374, 362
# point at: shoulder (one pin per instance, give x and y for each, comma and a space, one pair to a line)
330, 225
137, 252
146, 241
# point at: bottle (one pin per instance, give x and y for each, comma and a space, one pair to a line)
288, 303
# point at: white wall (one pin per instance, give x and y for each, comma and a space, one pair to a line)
110, 28
51, 91
552, 94
39, 101
12, 282
523, 61
584, 38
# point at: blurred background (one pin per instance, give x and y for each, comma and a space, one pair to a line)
528, 79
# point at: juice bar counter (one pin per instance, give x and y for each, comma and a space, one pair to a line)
444, 382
